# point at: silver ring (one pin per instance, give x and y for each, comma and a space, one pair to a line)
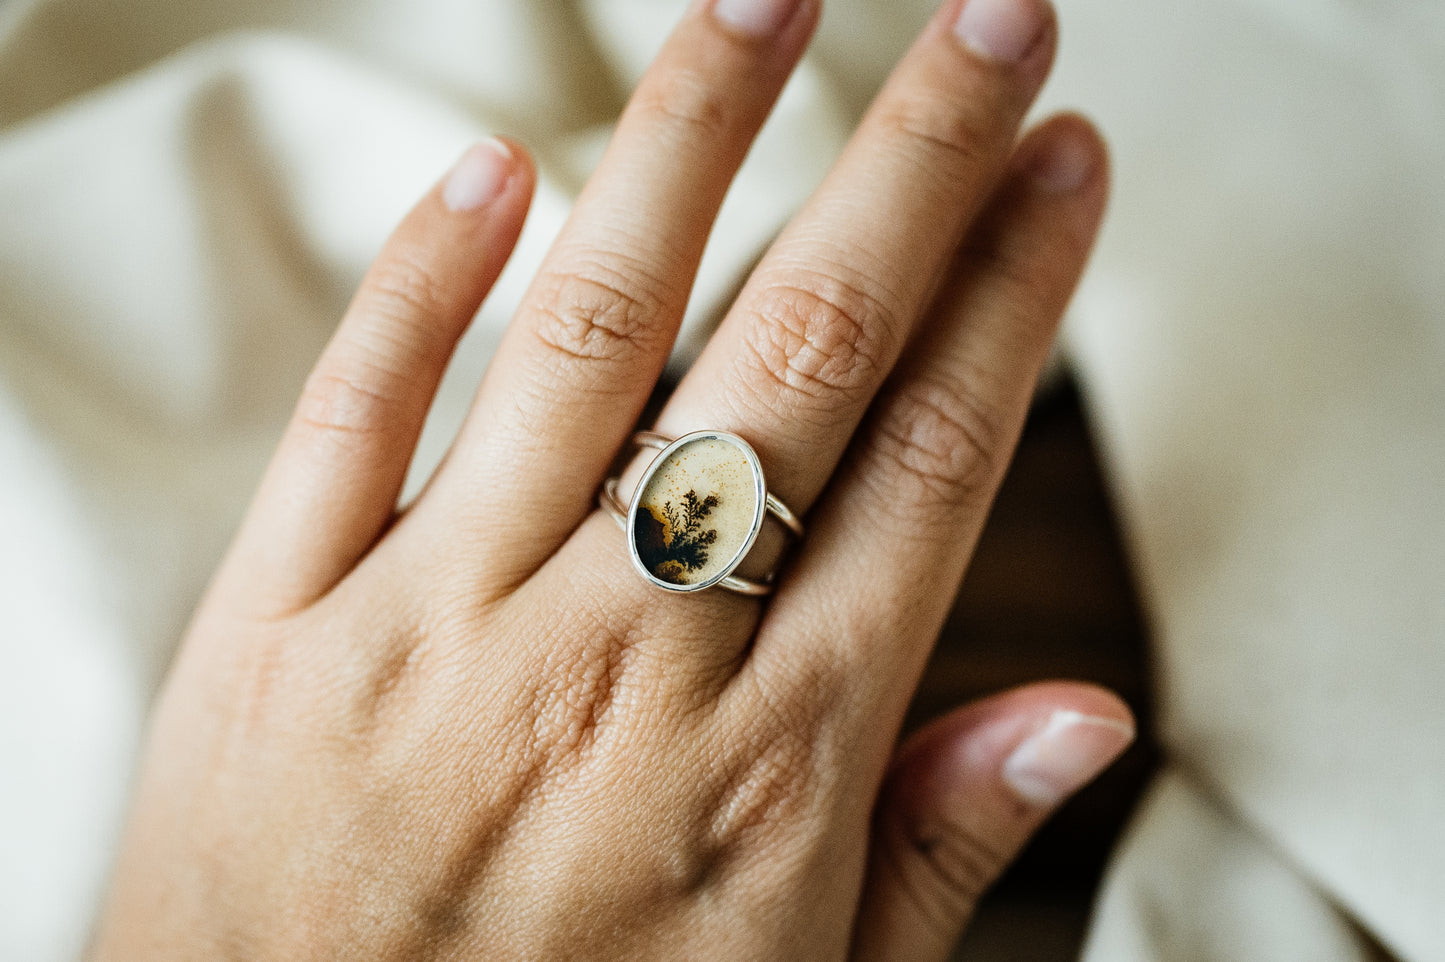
697, 512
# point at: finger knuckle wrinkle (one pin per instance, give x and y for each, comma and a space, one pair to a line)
1025, 297
943, 442
688, 108
595, 319
944, 872
949, 137
1014, 271
821, 335
345, 403
406, 292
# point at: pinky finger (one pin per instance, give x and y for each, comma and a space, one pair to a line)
333, 484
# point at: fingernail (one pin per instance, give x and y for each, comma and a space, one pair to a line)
478, 177
1064, 755
1063, 163
755, 18
1002, 30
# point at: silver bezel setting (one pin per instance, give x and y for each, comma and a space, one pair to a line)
760, 509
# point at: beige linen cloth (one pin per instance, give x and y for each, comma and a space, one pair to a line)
189, 191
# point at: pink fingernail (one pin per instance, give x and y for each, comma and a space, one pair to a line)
1064, 755
755, 18
1063, 164
478, 177
1001, 30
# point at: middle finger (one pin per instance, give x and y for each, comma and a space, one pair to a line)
799, 358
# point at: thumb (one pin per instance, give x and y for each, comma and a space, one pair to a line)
962, 798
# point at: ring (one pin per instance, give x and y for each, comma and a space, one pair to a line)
697, 511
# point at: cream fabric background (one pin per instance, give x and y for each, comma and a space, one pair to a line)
188, 192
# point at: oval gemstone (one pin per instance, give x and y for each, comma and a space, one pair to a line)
698, 510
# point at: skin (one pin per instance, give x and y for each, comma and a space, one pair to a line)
469, 730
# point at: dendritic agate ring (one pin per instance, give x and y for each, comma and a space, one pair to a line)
697, 511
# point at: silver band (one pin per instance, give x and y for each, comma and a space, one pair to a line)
625, 515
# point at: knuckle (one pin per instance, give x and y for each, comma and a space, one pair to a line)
265, 682
359, 385
345, 402
946, 136
1028, 282
815, 334
403, 290
786, 752
945, 870
686, 108
942, 445
1014, 273
576, 685
764, 785
597, 315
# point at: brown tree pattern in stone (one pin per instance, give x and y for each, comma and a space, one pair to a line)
674, 544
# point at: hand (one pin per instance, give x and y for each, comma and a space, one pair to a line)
472, 730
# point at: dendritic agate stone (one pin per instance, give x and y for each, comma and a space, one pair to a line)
699, 509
